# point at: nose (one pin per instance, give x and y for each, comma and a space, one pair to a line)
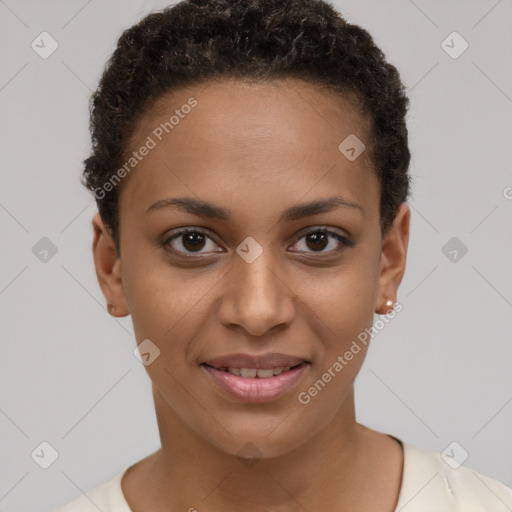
256, 296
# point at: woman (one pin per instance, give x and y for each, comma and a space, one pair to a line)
250, 166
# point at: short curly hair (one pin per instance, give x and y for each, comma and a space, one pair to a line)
195, 41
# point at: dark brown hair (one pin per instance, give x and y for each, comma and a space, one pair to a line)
199, 40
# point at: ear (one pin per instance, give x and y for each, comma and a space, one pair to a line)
393, 258
108, 268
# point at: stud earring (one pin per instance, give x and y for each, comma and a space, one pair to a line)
389, 304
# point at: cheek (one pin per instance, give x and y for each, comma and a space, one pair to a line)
341, 323
344, 339
352, 313
342, 301
162, 300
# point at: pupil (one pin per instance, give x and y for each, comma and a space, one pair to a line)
191, 241
195, 241
319, 237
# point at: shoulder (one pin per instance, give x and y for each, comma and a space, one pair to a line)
431, 481
107, 497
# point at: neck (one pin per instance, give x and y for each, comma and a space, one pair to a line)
333, 469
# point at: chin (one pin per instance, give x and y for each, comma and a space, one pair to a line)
264, 441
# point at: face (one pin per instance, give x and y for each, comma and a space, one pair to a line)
249, 240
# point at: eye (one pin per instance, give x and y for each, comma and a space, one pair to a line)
320, 238
190, 240
193, 240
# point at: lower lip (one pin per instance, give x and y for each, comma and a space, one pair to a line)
255, 390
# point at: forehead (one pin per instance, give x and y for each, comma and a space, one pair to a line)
250, 139
274, 106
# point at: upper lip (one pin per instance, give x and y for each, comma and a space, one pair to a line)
268, 360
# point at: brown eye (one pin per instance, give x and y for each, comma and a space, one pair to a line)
190, 241
320, 239
193, 241
317, 241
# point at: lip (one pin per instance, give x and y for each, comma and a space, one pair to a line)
268, 360
256, 390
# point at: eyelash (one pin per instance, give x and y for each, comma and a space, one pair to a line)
344, 241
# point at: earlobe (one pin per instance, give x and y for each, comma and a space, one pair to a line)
393, 260
108, 268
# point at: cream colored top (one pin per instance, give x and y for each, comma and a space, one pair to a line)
429, 484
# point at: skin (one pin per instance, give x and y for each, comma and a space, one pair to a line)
256, 149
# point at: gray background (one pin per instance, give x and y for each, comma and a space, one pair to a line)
439, 372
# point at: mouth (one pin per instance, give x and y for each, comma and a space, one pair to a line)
259, 373
256, 385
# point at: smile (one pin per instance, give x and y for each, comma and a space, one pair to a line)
256, 385
262, 373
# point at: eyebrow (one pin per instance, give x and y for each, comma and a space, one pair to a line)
212, 211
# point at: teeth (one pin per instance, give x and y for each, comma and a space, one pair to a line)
248, 372
263, 373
